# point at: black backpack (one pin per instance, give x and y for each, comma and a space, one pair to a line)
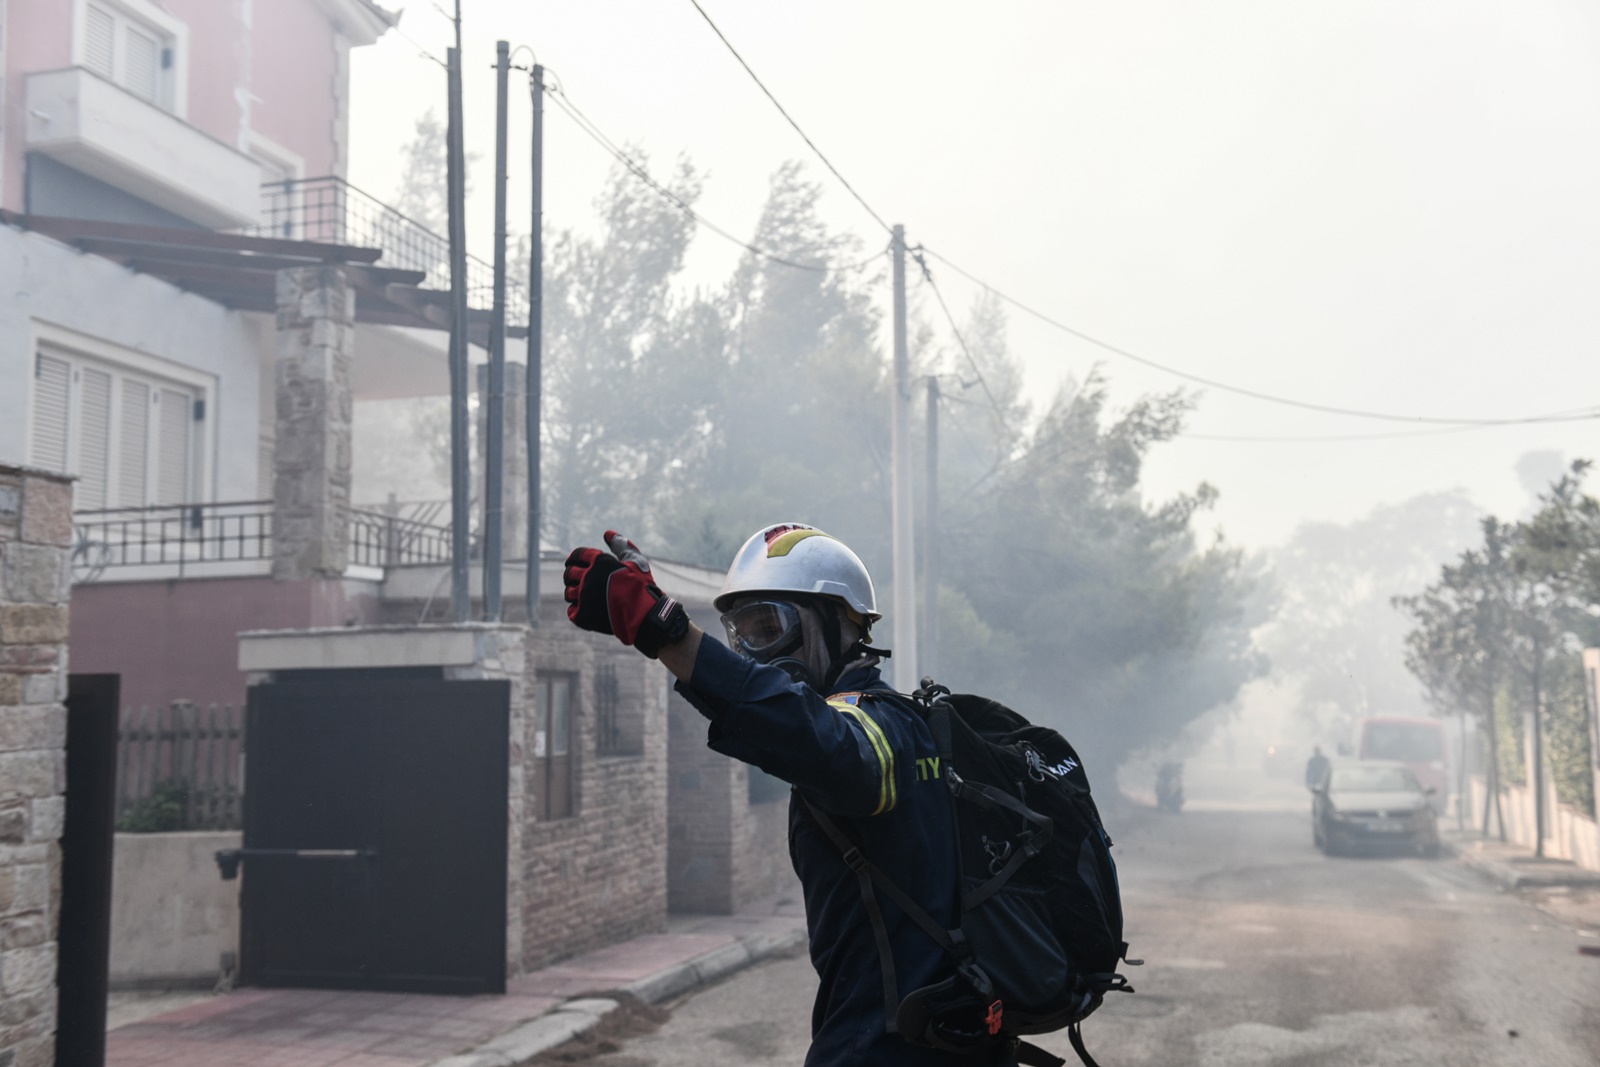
1040, 933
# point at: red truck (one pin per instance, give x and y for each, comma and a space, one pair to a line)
1418, 743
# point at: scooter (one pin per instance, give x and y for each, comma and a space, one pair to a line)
1169, 787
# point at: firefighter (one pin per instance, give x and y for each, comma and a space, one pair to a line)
799, 695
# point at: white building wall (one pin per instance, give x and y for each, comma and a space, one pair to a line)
45, 282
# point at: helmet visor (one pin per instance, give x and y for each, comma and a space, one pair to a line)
763, 629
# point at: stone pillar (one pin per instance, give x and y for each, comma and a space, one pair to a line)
311, 460
35, 574
514, 483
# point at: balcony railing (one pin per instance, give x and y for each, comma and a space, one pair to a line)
188, 535
333, 211
181, 534
380, 540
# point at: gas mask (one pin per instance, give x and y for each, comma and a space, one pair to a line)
809, 639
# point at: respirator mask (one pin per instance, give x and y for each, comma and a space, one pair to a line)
804, 639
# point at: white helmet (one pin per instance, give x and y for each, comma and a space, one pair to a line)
794, 558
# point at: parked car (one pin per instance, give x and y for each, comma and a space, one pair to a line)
1373, 805
1418, 743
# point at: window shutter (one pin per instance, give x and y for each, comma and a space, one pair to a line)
99, 33
133, 445
94, 439
141, 67
51, 387
172, 447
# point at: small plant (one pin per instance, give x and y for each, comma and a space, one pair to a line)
164, 810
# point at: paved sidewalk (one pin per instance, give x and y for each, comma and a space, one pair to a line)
328, 1028
1514, 866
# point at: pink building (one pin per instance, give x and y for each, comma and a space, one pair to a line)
194, 302
103, 97
146, 147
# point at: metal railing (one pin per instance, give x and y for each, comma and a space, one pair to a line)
180, 767
331, 210
188, 534
384, 540
179, 534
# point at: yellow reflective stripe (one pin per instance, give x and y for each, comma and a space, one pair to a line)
887, 792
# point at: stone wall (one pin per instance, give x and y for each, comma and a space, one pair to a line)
35, 569
599, 876
311, 456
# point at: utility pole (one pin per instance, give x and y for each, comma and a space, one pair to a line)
535, 343
1591, 704
494, 447
905, 578
1533, 730
930, 539
460, 477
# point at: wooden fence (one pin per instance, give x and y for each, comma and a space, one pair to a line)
180, 767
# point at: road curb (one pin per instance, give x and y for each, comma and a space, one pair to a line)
522, 1043
574, 1017
1535, 875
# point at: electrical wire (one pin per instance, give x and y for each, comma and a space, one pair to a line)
1324, 438
423, 52
1585, 413
927, 276
564, 101
789, 118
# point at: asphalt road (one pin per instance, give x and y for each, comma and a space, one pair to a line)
1259, 951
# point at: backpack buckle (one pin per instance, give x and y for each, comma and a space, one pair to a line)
855, 860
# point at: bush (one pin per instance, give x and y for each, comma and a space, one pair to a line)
166, 809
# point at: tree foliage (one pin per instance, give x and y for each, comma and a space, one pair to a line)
1336, 633
692, 418
1498, 633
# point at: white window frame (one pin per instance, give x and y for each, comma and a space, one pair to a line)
154, 18
79, 350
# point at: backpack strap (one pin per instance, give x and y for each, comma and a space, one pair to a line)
869, 900
1031, 1055
1075, 1035
953, 942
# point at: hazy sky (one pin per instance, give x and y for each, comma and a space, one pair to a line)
1391, 205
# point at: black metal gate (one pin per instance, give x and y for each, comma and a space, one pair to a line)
375, 835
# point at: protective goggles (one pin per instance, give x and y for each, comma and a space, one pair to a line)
763, 629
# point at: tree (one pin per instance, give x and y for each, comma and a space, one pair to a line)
1502, 625
626, 361
1456, 645
1099, 612
424, 175
1337, 632
796, 423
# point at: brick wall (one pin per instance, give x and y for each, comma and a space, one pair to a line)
599, 876
35, 571
722, 851
761, 863
701, 797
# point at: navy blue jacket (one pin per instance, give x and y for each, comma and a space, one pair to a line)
867, 757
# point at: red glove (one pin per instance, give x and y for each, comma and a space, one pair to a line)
617, 595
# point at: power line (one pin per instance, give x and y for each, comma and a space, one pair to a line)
809, 143
927, 276
422, 51
1324, 438
1587, 413
585, 124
